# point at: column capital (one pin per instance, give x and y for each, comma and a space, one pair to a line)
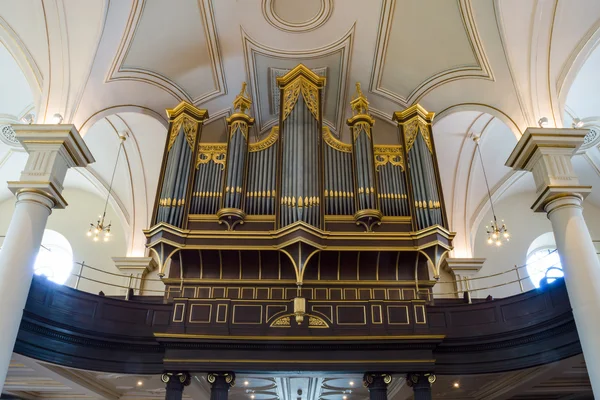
547, 153
463, 266
416, 380
376, 379
221, 378
135, 265
176, 378
52, 150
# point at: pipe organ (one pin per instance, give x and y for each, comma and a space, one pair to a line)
300, 214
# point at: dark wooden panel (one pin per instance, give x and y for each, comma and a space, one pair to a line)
482, 316
398, 315
524, 308
351, 315
247, 314
73, 304
250, 265
200, 313
128, 315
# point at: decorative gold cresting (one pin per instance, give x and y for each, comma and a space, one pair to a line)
413, 120
217, 152
242, 102
189, 117
266, 142
300, 80
361, 120
391, 154
359, 103
334, 142
240, 120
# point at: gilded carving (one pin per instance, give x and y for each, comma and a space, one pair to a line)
316, 322
215, 152
242, 126
388, 154
266, 142
360, 127
283, 322
309, 91
190, 129
411, 130
334, 143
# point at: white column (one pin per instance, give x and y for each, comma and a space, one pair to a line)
52, 150
547, 153
464, 269
139, 267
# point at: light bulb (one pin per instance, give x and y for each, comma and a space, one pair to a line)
490, 241
95, 238
252, 396
96, 231
246, 383
495, 235
140, 383
89, 233
456, 385
57, 118
351, 383
105, 238
506, 235
498, 243
107, 233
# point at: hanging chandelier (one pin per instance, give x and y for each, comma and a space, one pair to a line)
101, 228
497, 232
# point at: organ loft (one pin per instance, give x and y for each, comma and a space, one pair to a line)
299, 233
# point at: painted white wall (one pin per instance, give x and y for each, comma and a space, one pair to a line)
73, 222
525, 226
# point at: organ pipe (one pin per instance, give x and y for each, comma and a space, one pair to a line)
367, 213
300, 180
233, 187
426, 204
177, 171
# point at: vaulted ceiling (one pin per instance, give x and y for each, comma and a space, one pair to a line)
487, 68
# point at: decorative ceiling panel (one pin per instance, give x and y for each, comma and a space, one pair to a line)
172, 47
419, 51
297, 16
334, 58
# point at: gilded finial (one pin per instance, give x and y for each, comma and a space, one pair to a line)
242, 102
359, 103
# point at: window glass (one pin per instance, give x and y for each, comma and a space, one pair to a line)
542, 263
55, 257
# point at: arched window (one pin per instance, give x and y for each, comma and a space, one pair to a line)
543, 260
55, 257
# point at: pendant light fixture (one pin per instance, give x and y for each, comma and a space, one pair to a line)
100, 228
497, 232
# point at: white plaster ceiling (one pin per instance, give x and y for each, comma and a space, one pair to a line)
111, 66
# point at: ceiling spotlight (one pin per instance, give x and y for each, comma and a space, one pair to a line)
345, 397
456, 385
543, 122
252, 396
246, 383
57, 119
140, 383
351, 383
28, 118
